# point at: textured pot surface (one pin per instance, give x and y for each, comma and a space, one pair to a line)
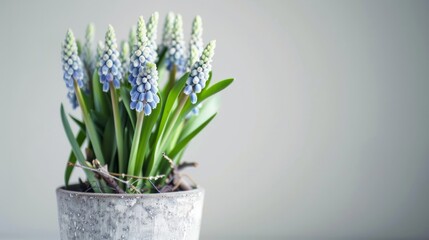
164, 216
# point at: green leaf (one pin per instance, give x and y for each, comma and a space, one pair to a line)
76, 149
78, 122
209, 80
189, 137
91, 130
89, 101
99, 119
170, 83
178, 158
171, 99
127, 142
217, 87
80, 138
125, 96
161, 57
170, 143
109, 143
206, 93
119, 136
209, 107
100, 99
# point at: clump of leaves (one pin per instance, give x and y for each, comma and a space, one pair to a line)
135, 129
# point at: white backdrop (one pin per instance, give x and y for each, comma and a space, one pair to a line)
324, 133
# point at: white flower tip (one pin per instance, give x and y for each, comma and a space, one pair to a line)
90, 27
170, 14
212, 44
70, 33
141, 20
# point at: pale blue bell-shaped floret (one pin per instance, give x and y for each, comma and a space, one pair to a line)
152, 26
199, 73
195, 111
110, 65
168, 29
142, 54
144, 92
176, 50
72, 66
71, 95
196, 42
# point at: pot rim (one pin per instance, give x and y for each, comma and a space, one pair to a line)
62, 190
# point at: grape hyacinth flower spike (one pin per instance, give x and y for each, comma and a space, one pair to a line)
168, 29
176, 49
142, 54
99, 53
144, 94
200, 73
196, 42
72, 66
141, 32
110, 65
86, 55
152, 26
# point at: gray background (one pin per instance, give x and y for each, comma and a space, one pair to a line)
324, 133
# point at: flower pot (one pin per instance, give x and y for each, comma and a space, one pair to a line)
162, 216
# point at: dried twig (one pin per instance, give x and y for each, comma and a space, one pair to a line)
187, 164
110, 178
175, 178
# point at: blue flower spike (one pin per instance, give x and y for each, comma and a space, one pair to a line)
110, 64
196, 44
200, 73
72, 66
152, 26
142, 53
176, 50
168, 29
144, 93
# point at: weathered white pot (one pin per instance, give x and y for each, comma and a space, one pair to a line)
163, 216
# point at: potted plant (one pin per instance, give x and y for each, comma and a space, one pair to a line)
134, 131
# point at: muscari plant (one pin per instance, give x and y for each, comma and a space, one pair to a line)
141, 104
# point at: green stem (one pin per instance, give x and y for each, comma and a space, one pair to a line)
135, 144
91, 131
118, 128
